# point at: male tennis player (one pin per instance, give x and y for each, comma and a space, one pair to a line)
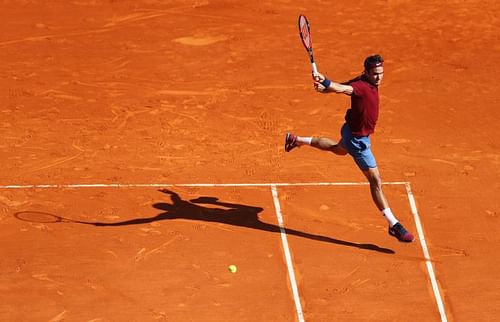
360, 119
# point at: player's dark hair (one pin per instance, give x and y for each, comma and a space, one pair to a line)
373, 61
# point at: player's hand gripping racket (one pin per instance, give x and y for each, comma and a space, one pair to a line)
305, 36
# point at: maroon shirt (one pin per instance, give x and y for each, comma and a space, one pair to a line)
363, 114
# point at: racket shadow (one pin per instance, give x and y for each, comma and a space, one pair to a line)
45, 218
229, 214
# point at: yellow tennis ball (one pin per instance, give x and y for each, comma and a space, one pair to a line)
232, 268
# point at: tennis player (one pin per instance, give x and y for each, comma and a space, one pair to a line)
360, 121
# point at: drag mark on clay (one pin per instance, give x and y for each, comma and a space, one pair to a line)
444, 161
103, 85
450, 251
126, 117
151, 231
359, 282
133, 17
12, 203
142, 254
45, 278
139, 255
52, 93
53, 164
45, 37
199, 41
77, 147
60, 317
111, 252
221, 227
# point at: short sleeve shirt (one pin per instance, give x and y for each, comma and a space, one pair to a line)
363, 114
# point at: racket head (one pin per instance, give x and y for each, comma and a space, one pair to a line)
305, 37
305, 32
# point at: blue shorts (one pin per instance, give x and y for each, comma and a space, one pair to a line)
358, 148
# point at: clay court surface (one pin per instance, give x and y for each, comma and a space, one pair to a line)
152, 131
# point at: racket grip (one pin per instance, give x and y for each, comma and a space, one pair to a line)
314, 68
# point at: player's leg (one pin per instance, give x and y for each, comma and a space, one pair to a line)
327, 144
396, 229
360, 150
322, 143
373, 176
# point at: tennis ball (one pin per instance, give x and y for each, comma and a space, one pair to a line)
232, 268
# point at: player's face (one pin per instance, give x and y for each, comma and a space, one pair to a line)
375, 75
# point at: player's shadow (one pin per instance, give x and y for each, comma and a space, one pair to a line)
230, 214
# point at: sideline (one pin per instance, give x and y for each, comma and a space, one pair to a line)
427, 256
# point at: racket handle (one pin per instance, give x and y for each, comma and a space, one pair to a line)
314, 68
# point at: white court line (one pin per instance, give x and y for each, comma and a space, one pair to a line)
274, 186
430, 270
159, 185
288, 257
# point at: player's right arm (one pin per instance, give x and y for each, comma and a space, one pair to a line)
333, 87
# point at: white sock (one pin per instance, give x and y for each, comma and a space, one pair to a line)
389, 216
301, 140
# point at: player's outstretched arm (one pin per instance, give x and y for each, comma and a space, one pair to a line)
324, 85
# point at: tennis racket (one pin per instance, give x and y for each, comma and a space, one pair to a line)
305, 36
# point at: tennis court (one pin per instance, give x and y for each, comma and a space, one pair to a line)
142, 154
156, 251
